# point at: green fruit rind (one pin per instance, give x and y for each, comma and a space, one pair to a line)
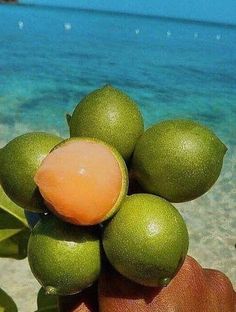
179, 160
111, 116
64, 258
147, 240
122, 166
19, 161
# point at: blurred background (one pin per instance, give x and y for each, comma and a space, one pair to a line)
176, 59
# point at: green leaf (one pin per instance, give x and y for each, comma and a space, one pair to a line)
15, 246
9, 225
7, 233
47, 303
7, 205
6, 303
14, 230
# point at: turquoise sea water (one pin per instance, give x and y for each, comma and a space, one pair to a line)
171, 69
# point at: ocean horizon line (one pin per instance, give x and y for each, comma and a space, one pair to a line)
152, 16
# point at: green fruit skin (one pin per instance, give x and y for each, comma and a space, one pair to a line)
19, 161
179, 160
147, 240
111, 116
64, 258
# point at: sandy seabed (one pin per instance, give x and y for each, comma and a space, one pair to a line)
211, 222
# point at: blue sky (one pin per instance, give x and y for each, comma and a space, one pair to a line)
209, 10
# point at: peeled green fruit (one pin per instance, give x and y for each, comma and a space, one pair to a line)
111, 116
19, 161
147, 240
178, 159
83, 180
64, 258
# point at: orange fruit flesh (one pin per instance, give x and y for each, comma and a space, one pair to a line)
80, 181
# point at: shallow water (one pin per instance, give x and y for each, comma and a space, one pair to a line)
171, 69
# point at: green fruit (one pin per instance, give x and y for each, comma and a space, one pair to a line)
19, 161
64, 258
147, 240
178, 159
111, 116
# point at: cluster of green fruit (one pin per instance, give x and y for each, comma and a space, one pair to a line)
84, 182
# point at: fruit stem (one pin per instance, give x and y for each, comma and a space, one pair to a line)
50, 290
